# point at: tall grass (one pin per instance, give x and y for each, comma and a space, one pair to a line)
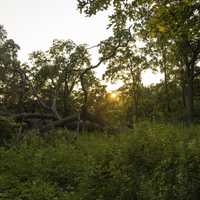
152, 162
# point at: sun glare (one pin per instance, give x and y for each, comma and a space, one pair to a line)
113, 95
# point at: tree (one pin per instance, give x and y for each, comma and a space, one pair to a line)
12, 86
56, 73
178, 24
127, 66
170, 24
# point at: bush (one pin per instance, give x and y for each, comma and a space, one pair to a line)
153, 162
7, 129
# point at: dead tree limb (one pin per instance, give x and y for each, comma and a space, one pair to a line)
22, 116
59, 123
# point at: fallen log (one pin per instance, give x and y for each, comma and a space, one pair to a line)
46, 122
84, 126
22, 116
59, 123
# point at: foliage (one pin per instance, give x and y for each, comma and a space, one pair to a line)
170, 32
8, 129
155, 161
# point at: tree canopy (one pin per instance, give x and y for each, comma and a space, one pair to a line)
59, 88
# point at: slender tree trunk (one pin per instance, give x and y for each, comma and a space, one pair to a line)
166, 88
136, 105
189, 102
189, 95
130, 116
166, 79
65, 99
183, 93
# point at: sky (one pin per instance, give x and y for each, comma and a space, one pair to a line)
33, 24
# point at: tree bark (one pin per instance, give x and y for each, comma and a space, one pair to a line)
22, 116
189, 95
166, 78
59, 123
130, 116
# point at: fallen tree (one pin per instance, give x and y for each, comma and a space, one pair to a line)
22, 116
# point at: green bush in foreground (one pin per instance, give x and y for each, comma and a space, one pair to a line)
7, 129
152, 162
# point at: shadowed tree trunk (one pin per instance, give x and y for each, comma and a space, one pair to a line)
189, 96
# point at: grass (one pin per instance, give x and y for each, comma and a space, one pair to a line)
154, 161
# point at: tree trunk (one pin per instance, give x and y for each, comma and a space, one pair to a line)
136, 105
166, 78
130, 116
183, 93
189, 96
59, 123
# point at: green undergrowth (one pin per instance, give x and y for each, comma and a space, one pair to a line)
155, 161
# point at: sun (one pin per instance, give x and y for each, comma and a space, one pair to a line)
113, 95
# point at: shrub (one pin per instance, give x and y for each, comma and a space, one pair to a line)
150, 163
7, 129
